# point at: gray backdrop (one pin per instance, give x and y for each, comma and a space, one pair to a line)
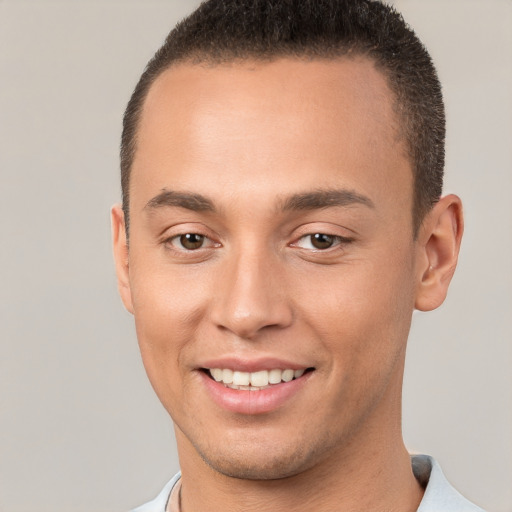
80, 429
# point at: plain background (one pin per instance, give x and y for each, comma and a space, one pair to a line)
80, 427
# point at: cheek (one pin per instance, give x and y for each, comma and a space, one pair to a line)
364, 314
167, 310
166, 301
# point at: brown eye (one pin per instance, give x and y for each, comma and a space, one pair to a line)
322, 241
191, 241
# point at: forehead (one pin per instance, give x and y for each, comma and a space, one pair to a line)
225, 125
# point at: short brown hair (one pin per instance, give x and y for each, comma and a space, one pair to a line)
228, 30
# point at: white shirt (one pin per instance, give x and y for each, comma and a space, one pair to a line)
439, 495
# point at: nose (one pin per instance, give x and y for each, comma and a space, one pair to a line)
250, 296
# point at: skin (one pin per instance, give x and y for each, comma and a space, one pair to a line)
247, 137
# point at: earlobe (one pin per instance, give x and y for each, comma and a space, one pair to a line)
439, 243
120, 249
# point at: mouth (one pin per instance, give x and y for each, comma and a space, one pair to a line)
254, 381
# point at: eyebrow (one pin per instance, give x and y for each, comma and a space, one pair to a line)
188, 200
319, 199
315, 200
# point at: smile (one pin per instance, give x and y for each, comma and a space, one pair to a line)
266, 388
253, 381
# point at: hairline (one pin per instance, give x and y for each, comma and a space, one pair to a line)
350, 52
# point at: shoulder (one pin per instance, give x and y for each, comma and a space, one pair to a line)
159, 504
439, 495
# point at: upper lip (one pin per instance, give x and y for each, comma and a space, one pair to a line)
252, 365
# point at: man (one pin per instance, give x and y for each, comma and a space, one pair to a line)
282, 217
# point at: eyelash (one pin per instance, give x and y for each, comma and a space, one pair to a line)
335, 240
179, 237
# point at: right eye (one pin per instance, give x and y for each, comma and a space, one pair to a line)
189, 241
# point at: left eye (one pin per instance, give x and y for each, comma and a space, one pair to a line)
318, 241
189, 241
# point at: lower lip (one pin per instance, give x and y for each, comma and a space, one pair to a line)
253, 402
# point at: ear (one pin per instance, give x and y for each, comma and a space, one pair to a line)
439, 243
121, 259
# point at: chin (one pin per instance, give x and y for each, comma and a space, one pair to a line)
274, 468
261, 461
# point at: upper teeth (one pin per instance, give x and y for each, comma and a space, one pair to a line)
254, 379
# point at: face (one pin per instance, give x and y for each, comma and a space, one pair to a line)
271, 264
